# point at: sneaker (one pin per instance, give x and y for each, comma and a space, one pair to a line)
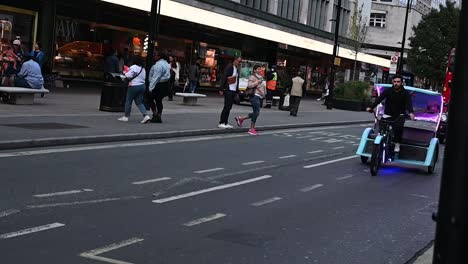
253, 132
123, 119
229, 126
222, 126
397, 147
239, 121
146, 119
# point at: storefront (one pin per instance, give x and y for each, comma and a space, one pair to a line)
16, 24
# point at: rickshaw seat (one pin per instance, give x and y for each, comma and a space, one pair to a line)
417, 137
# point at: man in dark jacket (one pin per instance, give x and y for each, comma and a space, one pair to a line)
397, 102
229, 87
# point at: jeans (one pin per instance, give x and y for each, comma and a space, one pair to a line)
193, 86
135, 93
228, 101
256, 102
21, 82
159, 92
397, 127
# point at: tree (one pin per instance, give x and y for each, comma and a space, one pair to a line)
434, 37
358, 33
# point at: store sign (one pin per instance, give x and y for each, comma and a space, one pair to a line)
337, 61
66, 29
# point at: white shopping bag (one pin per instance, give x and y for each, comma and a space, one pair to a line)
286, 101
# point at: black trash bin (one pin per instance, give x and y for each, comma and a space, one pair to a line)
113, 93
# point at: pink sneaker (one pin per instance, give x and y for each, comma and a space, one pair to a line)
253, 132
239, 121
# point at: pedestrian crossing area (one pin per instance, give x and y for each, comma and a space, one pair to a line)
323, 137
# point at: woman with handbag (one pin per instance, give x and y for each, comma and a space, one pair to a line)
136, 76
256, 90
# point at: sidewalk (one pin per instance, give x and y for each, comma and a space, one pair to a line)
72, 116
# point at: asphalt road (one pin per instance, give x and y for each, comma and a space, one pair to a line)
296, 196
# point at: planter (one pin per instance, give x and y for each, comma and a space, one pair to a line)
350, 105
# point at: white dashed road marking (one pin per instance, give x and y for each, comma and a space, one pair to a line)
62, 193
315, 151
253, 162
93, 254
311, 188
221, 187
208, 170
329, 162
266, 201
339, 147
9, 212
287, 157
152, 180
31, 230
205, 219
344, 177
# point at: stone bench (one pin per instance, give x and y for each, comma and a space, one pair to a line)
190, 98
21, 96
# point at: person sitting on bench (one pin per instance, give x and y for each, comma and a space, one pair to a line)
30, 75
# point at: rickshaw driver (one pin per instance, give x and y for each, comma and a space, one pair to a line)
397, 102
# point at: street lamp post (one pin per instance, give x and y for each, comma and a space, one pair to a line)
331, 86
402, 51
153, 32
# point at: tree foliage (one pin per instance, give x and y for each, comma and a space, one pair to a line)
358, 32
434, 37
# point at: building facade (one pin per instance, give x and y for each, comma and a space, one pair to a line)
76, 36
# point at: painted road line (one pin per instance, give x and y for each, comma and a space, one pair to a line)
205, 219
315, 151
311, 188
323, 156
208, 170
81, 202
342, 147
220, 176
253, 162
212, 189
93, 254
420, 196
329, 162
333, 140
31, 230
62, 193
287, 157
267, 201
9, 212
317, 138
151, 180
344, 177
309, 136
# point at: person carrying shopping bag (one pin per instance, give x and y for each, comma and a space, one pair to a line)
257, 92
136, 76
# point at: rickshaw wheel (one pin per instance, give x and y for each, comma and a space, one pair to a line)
376, 159
364, 159
431, 168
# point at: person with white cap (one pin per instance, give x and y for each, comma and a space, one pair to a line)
13, 57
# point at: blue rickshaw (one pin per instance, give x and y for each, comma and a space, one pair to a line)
419, 145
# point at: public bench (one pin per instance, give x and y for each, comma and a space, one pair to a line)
19, 95
190, 98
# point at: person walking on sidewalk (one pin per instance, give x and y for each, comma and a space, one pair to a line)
257, 92
173, 67
159, 85
136, 90
297, 91
229, 87
272, 82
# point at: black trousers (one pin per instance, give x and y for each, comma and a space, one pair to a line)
157, 95
269, 96
228, 101
397, 127
294, 102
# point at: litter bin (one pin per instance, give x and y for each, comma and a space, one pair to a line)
113, 93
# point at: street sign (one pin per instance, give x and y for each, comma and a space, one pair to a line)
337, 61
393, 68
394, 59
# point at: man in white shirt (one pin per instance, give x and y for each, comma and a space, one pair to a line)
229, 87
297, 91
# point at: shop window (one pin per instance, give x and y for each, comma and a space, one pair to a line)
16, 24
377, 20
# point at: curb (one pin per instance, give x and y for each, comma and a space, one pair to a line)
51, 142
